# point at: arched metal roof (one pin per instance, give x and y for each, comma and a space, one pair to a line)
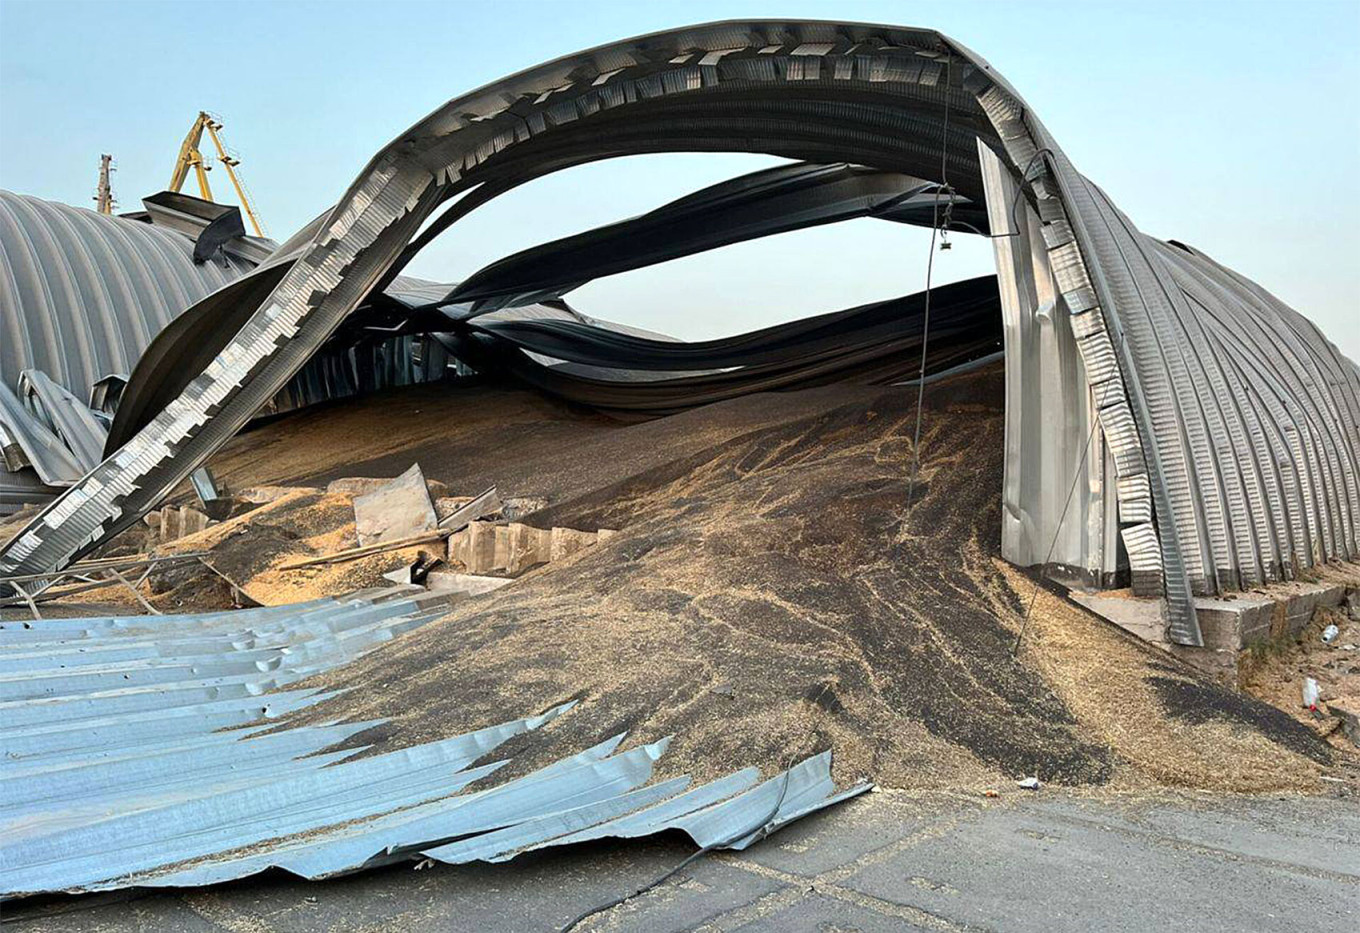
1230, 422
83, 294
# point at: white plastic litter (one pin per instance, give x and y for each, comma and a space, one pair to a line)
1310, 693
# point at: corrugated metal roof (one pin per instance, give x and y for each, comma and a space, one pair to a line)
146, 750
1229, 418
83, 294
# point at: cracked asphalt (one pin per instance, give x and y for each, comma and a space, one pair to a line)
888, 861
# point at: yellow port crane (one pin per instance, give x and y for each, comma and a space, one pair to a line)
191, 158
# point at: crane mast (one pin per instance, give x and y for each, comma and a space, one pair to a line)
191, 159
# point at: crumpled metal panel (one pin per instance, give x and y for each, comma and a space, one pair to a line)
830, 92
148, 751
30, 442
759, 204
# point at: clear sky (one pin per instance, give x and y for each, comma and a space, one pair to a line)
1232, 126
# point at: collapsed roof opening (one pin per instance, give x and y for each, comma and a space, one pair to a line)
1221, 424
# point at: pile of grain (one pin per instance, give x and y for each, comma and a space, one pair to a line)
769, 596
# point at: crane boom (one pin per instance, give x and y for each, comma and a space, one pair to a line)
191, 158
230, 165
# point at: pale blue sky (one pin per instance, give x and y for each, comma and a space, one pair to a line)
1231, 126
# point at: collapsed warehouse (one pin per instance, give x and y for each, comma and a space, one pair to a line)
1207, 446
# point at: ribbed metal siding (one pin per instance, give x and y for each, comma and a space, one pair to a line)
81, 295
1187, 451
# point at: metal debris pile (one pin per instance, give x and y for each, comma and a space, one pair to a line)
148, 751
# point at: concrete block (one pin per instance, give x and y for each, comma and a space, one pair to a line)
1234, 622
567, 541
192, 521
528, 547
458, 548
170, 523
481, 547
501, 549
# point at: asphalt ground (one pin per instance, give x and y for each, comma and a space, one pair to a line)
890, 861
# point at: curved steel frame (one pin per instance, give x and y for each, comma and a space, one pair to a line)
1144, 315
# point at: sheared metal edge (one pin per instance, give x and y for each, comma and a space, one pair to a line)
118, 788
54, 464
71, 419
180, 789
97, 856
724, 813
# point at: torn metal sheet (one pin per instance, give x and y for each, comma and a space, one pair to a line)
398, 509
616, 371
1228, 420
151, 751
80, 429
764, 203
29, 442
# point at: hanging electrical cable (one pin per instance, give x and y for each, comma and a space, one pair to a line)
937, 232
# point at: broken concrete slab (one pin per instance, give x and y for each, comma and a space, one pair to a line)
474, 547
448, 581
192, 521
500, 559
400, 508
567, 541
529, 547
1229, 624
170, 523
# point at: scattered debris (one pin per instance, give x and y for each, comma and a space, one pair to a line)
487, 547
398, 509
356, 553
1029, 783
1329, 634
485, 503
416, 572
91, 807
1310, 694
177, 521
216, 502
